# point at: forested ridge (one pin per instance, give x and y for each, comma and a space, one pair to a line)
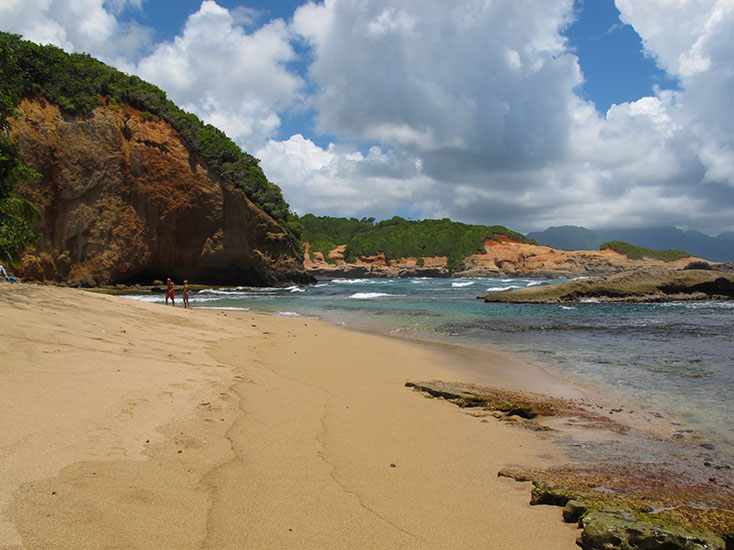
637, 252
401, 238
78, 83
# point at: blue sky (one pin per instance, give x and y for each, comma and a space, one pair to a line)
602, 113
611, 56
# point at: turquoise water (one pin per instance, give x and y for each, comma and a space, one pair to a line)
675, 360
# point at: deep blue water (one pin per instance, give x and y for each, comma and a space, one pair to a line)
675, 359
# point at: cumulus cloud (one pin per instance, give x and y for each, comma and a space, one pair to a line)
340, 180
465, 109
483, 77
232, 79
77, 25
481, 97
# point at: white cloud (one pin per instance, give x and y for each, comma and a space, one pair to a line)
470, 106
427, 75
229, 78
340, 180
76, 25
480, 95
695, 42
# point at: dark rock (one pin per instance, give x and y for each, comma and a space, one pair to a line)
699, 265
551, 497
610, 532
574, 510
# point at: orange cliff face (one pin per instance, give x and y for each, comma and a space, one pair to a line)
124, 198
506, 257
511, 257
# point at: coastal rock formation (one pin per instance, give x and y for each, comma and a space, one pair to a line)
602, 531
371, 266
125, 199
627, 488
504, 257
648, 285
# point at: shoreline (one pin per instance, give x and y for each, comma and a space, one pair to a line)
154, 427
489, 367
323, 400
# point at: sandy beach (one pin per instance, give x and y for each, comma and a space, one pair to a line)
133, 425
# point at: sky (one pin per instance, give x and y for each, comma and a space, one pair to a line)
525, 113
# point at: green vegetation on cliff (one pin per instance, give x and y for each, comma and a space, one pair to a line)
401, 238
16, 214
325, 233
637, 253
78, 83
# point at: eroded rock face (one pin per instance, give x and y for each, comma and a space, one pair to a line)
505, 257
125, 199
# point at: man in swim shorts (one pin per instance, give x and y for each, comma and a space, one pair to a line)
170, 293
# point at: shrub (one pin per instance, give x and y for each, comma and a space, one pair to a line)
637, 253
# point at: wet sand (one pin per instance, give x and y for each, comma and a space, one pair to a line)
133, 425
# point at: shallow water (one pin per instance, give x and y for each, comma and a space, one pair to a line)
675, 360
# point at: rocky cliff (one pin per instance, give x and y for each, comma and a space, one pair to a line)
504, 257
125, 199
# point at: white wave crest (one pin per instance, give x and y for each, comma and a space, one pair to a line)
369, 295
147, 298
501, 288
461, 285
224, 308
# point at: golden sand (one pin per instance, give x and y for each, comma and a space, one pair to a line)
133, 425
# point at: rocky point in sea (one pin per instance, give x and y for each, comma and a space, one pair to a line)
642, 285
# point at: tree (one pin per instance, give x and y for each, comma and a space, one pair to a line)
16, 213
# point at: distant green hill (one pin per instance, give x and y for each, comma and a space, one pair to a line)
637, 253
401, 238
78, 83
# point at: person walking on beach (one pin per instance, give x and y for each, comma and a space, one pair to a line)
186, 294
170, 293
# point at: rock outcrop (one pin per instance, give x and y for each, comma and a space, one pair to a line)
505, 257
642, 285
627, 488
125, 199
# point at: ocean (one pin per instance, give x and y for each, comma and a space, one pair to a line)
671, 360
